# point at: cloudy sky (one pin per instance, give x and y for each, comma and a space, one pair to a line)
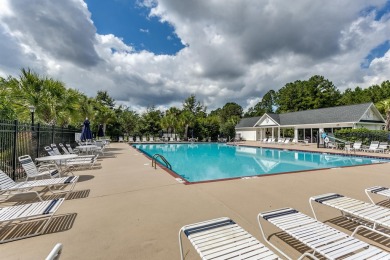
159, 52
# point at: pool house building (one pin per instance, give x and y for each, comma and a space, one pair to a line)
307, 125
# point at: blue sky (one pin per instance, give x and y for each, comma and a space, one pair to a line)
235, 51
130, 21
381, 49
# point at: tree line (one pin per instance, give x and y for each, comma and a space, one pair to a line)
57, 105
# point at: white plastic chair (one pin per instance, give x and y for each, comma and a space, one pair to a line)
32, 171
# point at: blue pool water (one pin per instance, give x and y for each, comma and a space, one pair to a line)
206, 162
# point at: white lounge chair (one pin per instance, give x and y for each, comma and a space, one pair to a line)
382, 147
75, 151
66, 151
378, 190
120, 139
137, 140
357, 146
27, 212
332, 145
373, 147
271, 140
321, 238
222, 238
101, 147
70, 164
32, 171
356, 210
286, 141
71, 150
281, 140
9, 187
55, 253
151, 139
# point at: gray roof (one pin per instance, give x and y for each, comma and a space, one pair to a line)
340, 114
248, 121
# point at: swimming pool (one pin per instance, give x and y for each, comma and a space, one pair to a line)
208, 162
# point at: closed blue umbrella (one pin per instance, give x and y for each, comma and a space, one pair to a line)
86, 133
100, 131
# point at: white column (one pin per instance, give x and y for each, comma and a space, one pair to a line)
296, 134
273, 136
311, 135
321, 130
278, 133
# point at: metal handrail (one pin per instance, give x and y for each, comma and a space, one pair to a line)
154, 161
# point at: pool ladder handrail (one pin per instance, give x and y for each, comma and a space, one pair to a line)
154, 161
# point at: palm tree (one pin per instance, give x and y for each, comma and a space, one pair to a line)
7, 108
104, 115
164, 123
28, 91
69, 107
384, 107
187, 119
172, 115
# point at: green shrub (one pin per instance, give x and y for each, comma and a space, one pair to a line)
364, 135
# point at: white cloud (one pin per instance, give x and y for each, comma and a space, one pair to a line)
236, 50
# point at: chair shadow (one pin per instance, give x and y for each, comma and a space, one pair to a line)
107, 155
342, 222
109, 149
384, 203
58, 223
350, 225
79, 194
294, 243
96, 166
21, 199
85, 178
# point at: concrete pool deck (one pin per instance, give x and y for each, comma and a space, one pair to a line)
129, 210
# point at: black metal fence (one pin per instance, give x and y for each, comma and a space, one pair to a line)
17, 139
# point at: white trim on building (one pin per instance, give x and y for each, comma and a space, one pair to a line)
308, 125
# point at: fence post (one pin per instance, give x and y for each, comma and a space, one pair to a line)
14, 152
38, 140
52, 134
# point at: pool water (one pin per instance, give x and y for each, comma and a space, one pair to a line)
206, 162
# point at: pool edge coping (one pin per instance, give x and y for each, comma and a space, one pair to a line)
185, 182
